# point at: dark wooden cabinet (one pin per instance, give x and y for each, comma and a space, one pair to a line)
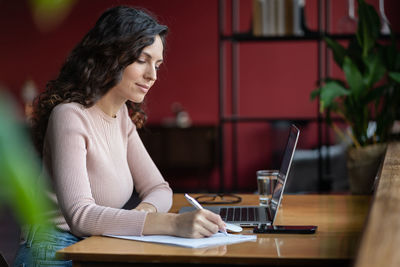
182, 151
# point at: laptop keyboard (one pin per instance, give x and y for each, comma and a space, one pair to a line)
237, 214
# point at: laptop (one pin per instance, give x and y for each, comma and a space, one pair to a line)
248, 216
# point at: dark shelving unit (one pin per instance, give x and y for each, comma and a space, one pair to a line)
234, 119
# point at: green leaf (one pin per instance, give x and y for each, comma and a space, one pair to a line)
353, 77
339, 52
397, 62
48, 14
329, 93
314, 94
368, 26
20, 186
317, 91
395, 76
52, 5
342, 83
354, 51
374, 71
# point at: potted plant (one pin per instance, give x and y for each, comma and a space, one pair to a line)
367, 99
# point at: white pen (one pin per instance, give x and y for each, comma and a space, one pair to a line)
198, 206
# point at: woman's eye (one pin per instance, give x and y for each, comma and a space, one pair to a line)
141, 61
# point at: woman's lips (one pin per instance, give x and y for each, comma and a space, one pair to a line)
143, 87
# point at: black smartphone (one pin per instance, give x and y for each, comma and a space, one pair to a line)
285, 229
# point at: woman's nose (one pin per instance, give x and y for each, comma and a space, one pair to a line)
151, 73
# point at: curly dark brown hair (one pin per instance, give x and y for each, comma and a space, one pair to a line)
97, 63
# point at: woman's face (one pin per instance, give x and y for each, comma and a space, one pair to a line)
139, 77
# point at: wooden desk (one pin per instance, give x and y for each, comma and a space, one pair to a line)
340, 219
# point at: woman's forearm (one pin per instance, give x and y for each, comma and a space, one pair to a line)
160, 224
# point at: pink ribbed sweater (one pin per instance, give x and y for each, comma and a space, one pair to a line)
94, 161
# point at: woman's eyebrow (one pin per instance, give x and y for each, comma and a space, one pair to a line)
149, 56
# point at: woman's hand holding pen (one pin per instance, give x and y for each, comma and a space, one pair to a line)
199, 223
195, 224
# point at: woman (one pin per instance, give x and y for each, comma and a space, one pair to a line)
85, 129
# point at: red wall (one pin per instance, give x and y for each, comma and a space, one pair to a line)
276, 78
189, 75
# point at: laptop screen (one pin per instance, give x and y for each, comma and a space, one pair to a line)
284, 170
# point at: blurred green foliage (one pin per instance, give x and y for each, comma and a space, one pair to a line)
48, 14
21, 187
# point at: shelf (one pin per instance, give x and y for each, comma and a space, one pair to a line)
234, 119
228, 119
247, 37
312, 36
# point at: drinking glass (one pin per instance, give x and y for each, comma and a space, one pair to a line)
266, 181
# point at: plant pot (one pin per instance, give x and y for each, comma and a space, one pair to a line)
362, 167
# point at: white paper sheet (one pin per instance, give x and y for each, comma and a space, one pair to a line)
215, 240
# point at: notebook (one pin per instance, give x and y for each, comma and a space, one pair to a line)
217, 239
247, 216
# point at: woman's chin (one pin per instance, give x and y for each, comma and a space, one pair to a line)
137, 100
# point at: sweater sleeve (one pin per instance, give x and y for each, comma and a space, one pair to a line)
149, 183
67, 142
